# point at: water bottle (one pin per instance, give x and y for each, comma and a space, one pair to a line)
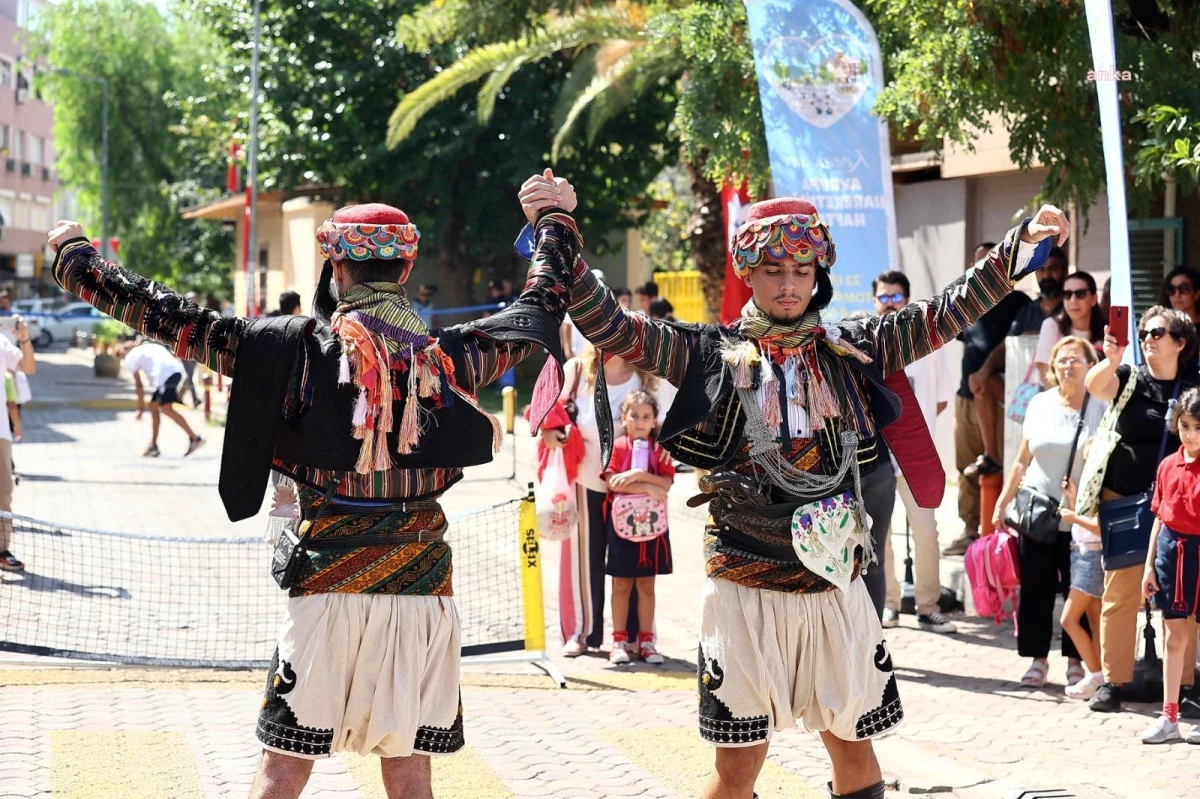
641, 455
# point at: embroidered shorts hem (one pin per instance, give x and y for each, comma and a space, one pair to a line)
370, 674
769, 660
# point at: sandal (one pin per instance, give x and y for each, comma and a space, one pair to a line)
152, 451
1075, 673
1035, 677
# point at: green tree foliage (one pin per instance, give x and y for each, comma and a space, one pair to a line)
951, 63
1171, 148
155, 67
332, 70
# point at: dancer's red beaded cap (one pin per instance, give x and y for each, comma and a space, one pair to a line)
370, 230
780, 206
370, 214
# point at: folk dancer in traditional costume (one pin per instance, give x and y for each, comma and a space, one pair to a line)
787, 412
373, 415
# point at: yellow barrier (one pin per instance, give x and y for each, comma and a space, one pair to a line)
509, 395
531, 576
683, 290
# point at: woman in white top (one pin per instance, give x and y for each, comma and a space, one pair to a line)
1047, 435
1080, 317
581, 564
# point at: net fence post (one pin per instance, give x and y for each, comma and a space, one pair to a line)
531, 576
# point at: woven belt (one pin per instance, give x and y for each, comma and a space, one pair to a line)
380, 540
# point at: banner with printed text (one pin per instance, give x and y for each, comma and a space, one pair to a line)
819, 72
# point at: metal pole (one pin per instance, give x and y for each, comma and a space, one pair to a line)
104, 170
252, 178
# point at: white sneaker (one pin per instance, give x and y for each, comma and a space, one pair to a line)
891, 618
649, 654
573, 648
1085, 688
1193, 737
936, 623
1161, 732
620, 653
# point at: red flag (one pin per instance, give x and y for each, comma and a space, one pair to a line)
233, 180
734, 204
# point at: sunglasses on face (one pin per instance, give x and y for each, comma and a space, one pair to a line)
1076, 294
894, 299
1179, 288
1155, 334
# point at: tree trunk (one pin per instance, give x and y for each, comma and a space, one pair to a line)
706, 235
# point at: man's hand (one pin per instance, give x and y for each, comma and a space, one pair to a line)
64, 232
1049, 221
140, 411
21, 331
975, 381
546, 191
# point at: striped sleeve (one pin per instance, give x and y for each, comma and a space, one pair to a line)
548, 285
646, 343
920, 328
191, 332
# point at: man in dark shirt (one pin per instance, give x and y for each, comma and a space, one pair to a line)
978, 423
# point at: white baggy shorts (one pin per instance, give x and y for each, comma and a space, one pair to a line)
364, 673
769, 659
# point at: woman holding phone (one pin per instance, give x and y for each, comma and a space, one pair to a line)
1169, 346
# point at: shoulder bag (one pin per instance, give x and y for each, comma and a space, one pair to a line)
1022, 394
1036, 515
1103, 442
1125, 523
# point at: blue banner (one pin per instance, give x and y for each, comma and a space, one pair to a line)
819, 72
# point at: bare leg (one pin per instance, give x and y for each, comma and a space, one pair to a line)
622, 587
854, 764
1076, 606
987, 411
407, 777
154, 423
172, 414
645, 608
1173, 665
280, 776
736, 771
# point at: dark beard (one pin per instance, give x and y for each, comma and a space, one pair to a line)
1050, 288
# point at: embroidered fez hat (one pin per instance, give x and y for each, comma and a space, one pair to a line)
368, 231
781, 229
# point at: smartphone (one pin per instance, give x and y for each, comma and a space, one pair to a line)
1118, 324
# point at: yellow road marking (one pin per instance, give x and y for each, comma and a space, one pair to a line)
464, 774
682, 763
85, 764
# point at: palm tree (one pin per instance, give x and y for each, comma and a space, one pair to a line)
623, 52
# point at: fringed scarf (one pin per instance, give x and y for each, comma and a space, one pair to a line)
819, 384
388, 354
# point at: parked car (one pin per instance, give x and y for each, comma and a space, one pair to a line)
62, 325
39, 316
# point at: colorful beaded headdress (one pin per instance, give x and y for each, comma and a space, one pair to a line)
363, 232
781, 229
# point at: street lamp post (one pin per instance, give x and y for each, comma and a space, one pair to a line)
103, 151
252, 180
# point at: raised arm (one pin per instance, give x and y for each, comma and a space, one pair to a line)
547, 287
658, 347
910, 334
190, 331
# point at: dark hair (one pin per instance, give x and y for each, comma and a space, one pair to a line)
649, 289
1180, 327
1097, 321
1056, 252
622, 292
660, 309
987, 245
1191, 274
1188, 405
374, 270
289, 301
824, 293
892, 276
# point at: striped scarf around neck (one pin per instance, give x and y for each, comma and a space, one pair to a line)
811, 359
388, 354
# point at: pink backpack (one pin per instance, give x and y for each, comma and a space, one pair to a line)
993, 566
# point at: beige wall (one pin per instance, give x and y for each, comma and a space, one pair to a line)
302, 257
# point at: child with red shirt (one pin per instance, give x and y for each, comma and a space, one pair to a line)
639, 466
1172, 575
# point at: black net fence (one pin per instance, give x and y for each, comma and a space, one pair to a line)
210, 601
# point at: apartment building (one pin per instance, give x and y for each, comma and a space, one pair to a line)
28, 180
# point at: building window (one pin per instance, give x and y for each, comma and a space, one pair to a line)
19, 145
35, 150
5, 140
5, 74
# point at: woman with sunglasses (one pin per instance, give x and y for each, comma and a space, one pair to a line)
1080, 317
1181, 291
1169, 346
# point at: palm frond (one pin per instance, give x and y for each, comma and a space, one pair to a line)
494, 85
587, 27
612, 91
583, 70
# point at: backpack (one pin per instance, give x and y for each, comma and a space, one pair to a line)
993, 566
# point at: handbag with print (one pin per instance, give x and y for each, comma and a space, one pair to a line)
1103, 443
1022, 394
